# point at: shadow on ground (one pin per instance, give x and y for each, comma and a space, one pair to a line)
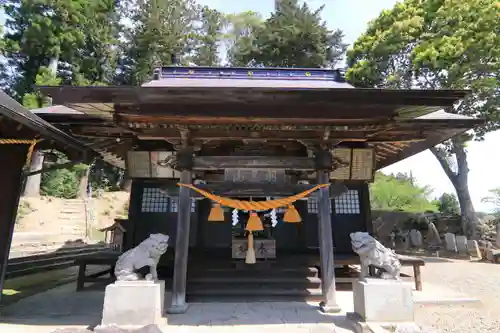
65, 307
27, 276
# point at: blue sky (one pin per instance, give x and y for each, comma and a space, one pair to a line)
352, 17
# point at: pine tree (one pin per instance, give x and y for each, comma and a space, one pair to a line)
294, 36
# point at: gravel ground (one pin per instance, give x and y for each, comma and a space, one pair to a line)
476, 279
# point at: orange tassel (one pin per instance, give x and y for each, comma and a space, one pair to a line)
216, 213
254, 223
250, 256
292, 215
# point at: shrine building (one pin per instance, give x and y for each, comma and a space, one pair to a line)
247, 145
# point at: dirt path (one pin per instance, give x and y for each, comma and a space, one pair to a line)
476, 279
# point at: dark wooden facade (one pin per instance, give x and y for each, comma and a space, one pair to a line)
157, 212
211, 120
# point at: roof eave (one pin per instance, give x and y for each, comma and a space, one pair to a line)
11, 109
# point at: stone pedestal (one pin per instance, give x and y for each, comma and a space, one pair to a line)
133, 303
378, 300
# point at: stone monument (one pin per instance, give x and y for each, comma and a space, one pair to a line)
374, 296
497, 236
432, 236
134, 301
416, 238
461, 242
450, 242
473, 248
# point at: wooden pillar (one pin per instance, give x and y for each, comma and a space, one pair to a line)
13, 158
329, 303
179, 304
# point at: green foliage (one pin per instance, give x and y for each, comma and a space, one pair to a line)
435, 44
294, 36
400, 193
62, 183
162, 29
35, 99
448, 204
209, 37
240, 35
494, 200
104, 176
438, 44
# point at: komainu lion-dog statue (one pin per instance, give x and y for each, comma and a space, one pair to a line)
147, 253
371, 252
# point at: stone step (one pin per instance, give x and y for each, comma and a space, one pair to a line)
71, 220
65, 212
254, 273
254, 292
254, 282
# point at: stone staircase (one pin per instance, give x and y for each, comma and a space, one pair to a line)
262, 282
72, 219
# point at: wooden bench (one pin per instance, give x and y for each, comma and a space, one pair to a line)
102, 259
415, 262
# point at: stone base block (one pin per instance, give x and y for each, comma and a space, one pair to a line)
126, 329
360, 326
133, 303
378, 300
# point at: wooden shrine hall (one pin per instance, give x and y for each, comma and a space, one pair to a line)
246, 144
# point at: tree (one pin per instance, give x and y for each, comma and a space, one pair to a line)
163, 30
209, 37
240, 35
438, 44
448, 204
494, 199
392, 193
294, 36
40, 34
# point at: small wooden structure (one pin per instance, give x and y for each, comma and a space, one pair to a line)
114, 235
253, 133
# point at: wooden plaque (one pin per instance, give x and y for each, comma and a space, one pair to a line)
138, 164
271, 176
264, 248
342, 172
362, 164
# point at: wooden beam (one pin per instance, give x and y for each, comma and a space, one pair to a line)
200, 96
179, 304
252, 162
325, 235
268, 109
317, 136
244, 189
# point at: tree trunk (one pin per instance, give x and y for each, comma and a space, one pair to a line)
32, 187
84, 181
459, 179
